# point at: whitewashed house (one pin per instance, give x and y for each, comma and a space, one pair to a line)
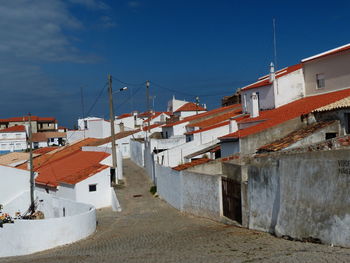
78, 176
276, 89
13, 139
189, 109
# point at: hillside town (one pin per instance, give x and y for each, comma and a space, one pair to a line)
273, 158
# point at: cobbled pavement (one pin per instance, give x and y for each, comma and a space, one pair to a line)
149, 230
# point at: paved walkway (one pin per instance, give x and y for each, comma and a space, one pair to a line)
149, 230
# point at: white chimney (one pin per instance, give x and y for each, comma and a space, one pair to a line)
272, 72
255, 106
233, 125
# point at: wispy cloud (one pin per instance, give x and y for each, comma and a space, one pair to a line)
107, 22
33, 34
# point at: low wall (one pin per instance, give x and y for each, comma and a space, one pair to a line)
302, 195
137, 152
194, 193
169, 185
29, 236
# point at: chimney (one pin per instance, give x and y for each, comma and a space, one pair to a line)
255, 106
272, 72
233, 125
121, 126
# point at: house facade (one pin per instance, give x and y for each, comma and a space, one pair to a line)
39, 124
13, 139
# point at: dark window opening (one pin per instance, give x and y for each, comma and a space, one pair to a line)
347, 122
92, 187
330, 135
64, 211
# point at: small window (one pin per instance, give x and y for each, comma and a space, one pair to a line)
330, 135
92, 187
347, 122
85, 125
320, 81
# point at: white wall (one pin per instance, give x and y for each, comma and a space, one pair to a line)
13, 141
194, 193
29, 236
335, 69
168, 143
302, 195
290, 87
184, 114
175, 156
137, 152
211, 135
266, 98
102, 196
13, 182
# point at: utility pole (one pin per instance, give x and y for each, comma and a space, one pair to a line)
82, 106
197, 104
32, 208
111, 118
147, 105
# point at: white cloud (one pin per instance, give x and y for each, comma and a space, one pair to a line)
34, 33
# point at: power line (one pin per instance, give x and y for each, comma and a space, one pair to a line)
97, 98
127, 83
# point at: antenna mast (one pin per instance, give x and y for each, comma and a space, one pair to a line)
274, 42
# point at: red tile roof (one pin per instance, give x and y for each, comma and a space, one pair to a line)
18, 128
44, 150
190, 106
294, 137
125, 115
265, 81
26, 118
270, 118
216, 119
203, 115
59, 153
327, 53
44, 136
71, 169
191, 164
147, 128
117, 136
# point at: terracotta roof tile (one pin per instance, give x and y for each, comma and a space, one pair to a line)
191, 164
117, 136
44, 150
270, 118
18, 128
26, 118
71, 169
190, 106
203, 115
293, 137
125, 115
265, 81
58, 153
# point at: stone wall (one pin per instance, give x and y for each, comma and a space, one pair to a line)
302, 195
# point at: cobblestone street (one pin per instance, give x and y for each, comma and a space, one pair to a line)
149, 230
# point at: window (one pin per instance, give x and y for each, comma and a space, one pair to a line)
347, 122
330, 135
85, 125
18, 135
320, 82
92, 187
4, 135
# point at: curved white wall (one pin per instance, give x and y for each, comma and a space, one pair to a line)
29, 236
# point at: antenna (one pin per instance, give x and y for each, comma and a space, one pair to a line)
274, 42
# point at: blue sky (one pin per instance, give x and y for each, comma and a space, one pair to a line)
50, 49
